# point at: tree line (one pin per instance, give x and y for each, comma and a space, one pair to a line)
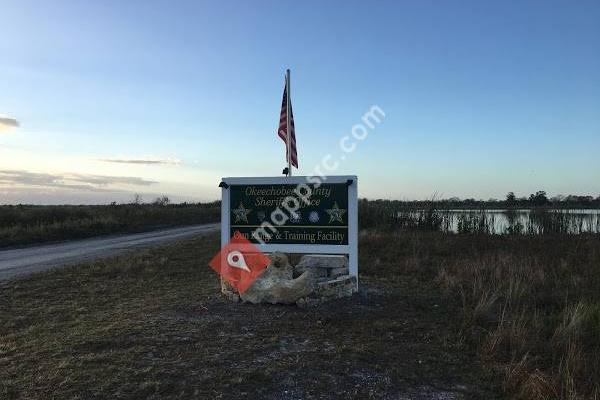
540, 199
537, 199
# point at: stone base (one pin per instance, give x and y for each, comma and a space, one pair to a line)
229, 292
316, 279
340, 287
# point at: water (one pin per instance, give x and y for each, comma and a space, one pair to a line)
520, 221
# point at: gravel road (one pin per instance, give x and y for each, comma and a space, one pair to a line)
39, 258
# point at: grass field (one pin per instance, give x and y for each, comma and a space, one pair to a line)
530, 304
152, 324
438, 316
24, 224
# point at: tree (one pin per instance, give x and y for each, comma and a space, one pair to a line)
511, 199
539, 198
162, 201
137, 199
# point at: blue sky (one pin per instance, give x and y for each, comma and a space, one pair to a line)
480, 97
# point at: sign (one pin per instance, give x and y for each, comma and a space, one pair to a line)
320, 217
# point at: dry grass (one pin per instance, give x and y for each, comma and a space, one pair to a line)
434, 310
152, 325
534, 312
28, 224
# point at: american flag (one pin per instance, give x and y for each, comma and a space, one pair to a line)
282, 131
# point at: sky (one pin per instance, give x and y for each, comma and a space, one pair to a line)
101, 100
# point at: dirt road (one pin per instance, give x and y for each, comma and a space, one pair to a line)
33, 259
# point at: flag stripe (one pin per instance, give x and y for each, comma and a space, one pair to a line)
282, 131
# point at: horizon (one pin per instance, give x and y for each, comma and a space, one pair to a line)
99, 102
136, 198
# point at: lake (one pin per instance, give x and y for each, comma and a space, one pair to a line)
505, 221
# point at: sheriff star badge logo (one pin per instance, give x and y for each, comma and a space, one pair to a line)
241, 213
335, 213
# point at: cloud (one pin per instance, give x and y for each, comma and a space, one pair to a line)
103, 180
8, 123
143, 161
96, 183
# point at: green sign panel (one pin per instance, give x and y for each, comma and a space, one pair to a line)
324, 220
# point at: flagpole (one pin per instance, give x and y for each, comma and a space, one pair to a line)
288, 126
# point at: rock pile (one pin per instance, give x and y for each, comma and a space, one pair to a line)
316, 279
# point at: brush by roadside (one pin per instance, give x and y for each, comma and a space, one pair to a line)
530, 304
24, 225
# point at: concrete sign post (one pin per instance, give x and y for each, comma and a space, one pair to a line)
326, 222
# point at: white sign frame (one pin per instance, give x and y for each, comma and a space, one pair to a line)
351, 249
